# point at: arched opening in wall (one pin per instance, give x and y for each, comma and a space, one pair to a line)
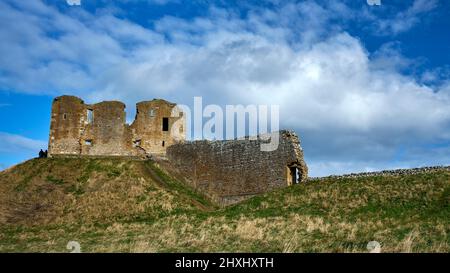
293, 174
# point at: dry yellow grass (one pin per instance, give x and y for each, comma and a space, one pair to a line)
112, 205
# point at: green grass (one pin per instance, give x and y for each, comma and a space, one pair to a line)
175, 186
56, 181
119, 209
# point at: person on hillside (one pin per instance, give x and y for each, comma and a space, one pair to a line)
41, 154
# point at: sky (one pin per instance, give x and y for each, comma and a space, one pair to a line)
366, 87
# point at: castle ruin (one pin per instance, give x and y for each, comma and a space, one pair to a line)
226, 171
229, 171
100, 129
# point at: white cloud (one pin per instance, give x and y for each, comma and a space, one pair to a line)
407, 19
11, 143
73, 2
352, 109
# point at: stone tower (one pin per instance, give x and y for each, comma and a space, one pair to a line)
101, 130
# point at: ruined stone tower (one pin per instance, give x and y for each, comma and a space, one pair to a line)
226, 171
100, 129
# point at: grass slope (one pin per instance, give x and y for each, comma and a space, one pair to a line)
118, 205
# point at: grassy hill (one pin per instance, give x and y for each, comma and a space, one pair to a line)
121, 205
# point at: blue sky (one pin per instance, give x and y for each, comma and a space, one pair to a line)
365, 87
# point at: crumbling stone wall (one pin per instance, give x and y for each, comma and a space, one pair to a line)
148, 130
66, 125
226, 171
232, 170
100, 129
107, 133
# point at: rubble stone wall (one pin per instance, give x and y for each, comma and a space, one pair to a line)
100, 129
232, 170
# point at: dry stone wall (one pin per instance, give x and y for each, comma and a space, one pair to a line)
397, 172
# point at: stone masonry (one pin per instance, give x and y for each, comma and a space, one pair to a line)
232, 170
225, 171
100, 129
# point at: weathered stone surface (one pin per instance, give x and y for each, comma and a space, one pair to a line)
148, 126
65, 127
100, 129
226, 171
232, 170
107, 133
